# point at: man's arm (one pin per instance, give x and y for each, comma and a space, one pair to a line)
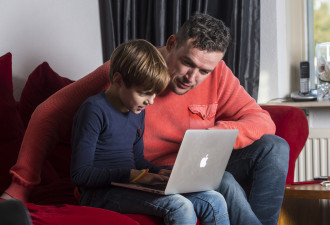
238, 110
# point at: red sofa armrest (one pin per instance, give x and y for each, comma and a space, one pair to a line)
292, 125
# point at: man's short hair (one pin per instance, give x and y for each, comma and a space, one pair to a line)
140, 64
207, 33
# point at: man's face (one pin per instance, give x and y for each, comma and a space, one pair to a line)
189, 66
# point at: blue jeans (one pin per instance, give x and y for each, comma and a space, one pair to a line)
209, 206
261, 168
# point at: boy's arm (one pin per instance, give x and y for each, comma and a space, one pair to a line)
140, 161
85, 133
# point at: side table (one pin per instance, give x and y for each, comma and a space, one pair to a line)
303, 204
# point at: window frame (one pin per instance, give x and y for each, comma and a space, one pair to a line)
310, 40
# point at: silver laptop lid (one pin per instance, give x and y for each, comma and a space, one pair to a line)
201, 160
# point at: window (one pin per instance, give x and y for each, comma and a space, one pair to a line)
318, 22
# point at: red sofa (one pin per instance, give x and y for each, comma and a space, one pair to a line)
53, 201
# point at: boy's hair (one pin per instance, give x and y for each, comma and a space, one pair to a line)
141, 65
208, 33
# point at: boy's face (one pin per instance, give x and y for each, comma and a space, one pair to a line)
189, 66
135, 99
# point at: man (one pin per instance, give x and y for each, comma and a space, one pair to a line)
203, 94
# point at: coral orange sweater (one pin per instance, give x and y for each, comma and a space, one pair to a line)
218, 103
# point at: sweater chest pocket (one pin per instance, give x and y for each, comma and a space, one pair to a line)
202, 116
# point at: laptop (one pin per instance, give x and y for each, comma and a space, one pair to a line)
200, 163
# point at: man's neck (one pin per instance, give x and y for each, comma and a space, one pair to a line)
163, 51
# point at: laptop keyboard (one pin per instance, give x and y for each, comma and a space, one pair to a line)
160, 187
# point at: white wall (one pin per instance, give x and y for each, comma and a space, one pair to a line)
283, 46
65, 33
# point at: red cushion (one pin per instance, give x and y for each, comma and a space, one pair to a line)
42, 83
75, 215
6, 73
292, 125
11, 128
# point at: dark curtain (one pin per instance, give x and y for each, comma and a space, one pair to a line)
156, 20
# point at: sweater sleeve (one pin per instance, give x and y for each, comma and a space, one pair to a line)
45, 129
87, 127
238, 110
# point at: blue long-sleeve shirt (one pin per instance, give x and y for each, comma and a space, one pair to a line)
106, 144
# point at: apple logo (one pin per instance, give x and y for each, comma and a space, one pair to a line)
203, 161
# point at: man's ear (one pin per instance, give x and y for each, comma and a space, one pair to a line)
117, 79
171, 43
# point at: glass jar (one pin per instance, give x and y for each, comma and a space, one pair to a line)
323, 71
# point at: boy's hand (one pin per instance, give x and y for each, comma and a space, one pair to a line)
153, 179
165, 172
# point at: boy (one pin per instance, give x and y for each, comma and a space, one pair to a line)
107, 144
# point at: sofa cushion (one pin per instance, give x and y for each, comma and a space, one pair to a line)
70, 214
42, 83
11, 129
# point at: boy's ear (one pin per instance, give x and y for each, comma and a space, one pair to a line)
117, 79
171, 42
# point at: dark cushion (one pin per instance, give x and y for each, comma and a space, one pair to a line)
13, 212
42, 83
11, 128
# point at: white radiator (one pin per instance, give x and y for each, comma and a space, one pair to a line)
314, 159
